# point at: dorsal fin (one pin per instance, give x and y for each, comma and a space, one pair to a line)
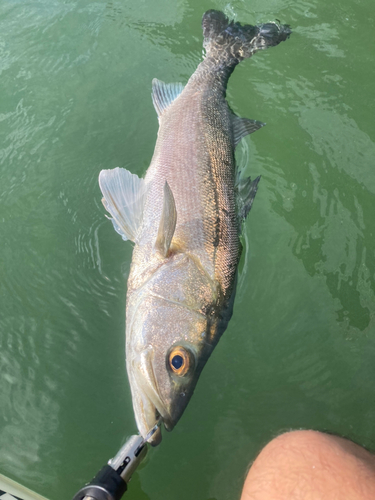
124, 195
244, 126
247, 190
167, 223
163, 94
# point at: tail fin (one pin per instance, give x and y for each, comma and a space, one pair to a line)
237, 42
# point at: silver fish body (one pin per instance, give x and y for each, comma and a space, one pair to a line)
185, 218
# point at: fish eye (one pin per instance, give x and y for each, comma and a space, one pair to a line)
179, 361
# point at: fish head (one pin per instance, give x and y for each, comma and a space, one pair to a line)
167, 348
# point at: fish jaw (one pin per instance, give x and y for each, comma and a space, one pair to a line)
148, 407
158, 397
156, 326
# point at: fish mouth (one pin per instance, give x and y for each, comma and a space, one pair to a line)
148, 407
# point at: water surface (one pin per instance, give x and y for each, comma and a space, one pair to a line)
300, 349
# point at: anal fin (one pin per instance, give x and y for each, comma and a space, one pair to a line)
164, 94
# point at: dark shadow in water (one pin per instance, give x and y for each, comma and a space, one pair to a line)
334, 245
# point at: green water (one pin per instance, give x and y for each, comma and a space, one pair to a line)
300, 350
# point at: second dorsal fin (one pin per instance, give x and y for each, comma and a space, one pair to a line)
163, 94
244, 126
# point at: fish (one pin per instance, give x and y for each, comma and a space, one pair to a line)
184, 218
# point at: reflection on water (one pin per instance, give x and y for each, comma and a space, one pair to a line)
28, 401
324, 37
76, 82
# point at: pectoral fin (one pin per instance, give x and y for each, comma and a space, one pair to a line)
168, 221
246, 191
124, 195
244, 126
